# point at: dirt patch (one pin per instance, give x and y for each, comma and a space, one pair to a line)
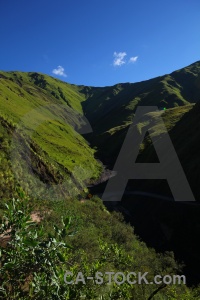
36, 217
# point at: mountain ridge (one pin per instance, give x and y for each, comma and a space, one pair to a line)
51, 113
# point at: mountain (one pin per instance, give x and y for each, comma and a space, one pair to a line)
43, 121
183, 126
110, 110
54, 136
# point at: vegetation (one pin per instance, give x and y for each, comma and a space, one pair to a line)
35, 258
42, 119
39, 136
46, 166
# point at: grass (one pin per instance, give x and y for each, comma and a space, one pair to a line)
47, 111
42, 155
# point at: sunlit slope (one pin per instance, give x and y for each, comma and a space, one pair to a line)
39, 115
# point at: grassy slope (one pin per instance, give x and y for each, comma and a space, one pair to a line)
45, 112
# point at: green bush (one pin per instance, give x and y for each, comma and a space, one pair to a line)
36, 257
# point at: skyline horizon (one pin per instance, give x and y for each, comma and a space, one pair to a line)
65, 81
95, 43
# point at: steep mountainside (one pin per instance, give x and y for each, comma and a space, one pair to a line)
185, 136
110, 110
113, 106
48, 149
42, 120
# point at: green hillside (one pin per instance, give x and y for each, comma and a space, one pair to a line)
110, 110
38, 117
49, 151
42, 118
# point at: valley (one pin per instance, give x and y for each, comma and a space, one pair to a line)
58, 146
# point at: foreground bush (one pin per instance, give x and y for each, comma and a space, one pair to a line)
34, 262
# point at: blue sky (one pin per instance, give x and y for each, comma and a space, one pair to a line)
98, 42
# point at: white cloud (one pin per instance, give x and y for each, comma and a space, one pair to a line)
119, 58
60, 71
133, 59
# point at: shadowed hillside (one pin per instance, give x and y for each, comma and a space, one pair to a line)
114, 108
185, 136
110, 107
